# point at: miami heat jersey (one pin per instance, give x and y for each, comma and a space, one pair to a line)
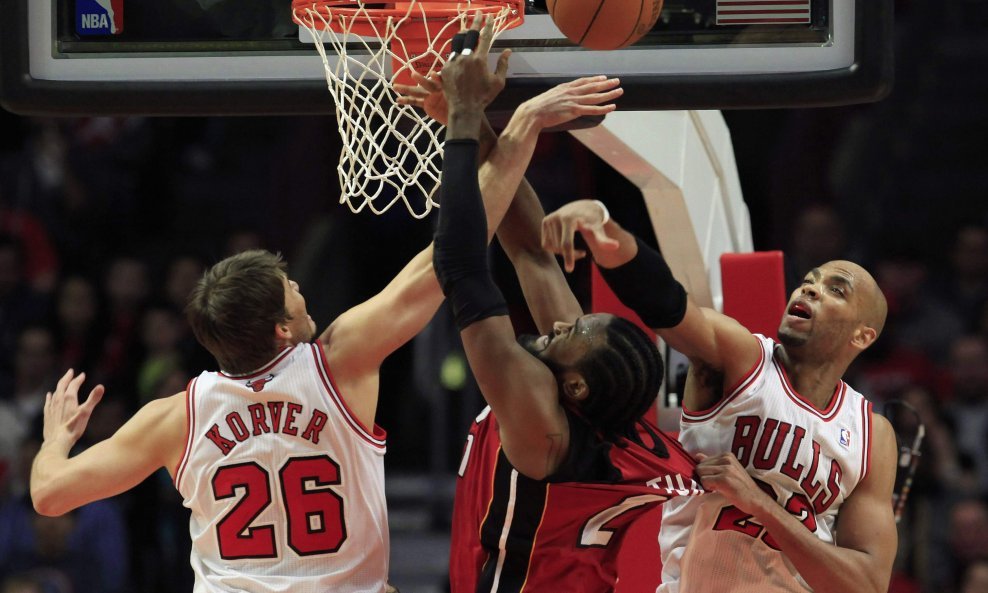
285, 486
807, 459
512, 534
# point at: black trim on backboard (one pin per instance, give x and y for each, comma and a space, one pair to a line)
868, 79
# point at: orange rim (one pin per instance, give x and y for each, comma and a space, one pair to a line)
429, 11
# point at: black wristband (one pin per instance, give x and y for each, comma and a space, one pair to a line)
646, 286
460, 245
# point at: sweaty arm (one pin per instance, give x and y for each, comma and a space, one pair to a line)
866, 535
519, 388
546, 291
153, 438
641, 279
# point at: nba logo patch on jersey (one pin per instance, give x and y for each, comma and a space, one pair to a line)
99, 17
258, 384
845, 437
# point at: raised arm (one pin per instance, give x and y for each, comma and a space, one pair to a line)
640, 277
520, 389
152, 439
546, 291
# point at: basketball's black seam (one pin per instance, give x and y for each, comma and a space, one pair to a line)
634, 27
590, 24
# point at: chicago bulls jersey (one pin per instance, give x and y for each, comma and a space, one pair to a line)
512, 534
285, 486
807, 459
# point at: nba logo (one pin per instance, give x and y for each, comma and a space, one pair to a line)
99, 17
845, 437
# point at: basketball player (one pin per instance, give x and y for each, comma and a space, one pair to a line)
559, 464
277, 455
784, 444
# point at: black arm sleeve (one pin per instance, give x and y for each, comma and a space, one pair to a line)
460, 244
646, 286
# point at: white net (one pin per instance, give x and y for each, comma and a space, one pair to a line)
391, 153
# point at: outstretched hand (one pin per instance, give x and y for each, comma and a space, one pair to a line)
468, 83
65, 419
559, 231
427, 94
587, 96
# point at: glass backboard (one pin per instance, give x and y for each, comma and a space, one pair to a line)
172, 57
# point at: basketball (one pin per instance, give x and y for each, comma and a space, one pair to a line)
604, 24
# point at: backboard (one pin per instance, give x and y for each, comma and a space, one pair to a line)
212, 57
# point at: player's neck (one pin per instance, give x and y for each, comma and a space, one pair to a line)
813, 377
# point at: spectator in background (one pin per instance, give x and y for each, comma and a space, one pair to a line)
975, 577
78, 328
87, 546
918, 321
968, 538
817, 236
20, 305
242, 239
84, 552
24, 583
34, 363
966, 288
21, 405
126, 288
40, 262
182, 275
161, 334
967, 408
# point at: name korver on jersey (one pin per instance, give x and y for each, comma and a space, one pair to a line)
273, 417
772, 445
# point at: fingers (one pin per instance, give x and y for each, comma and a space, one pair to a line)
486, 36
598, 236
416, 95
568, 233
63, 382
501, 71
470, 42
95, 396
457, 44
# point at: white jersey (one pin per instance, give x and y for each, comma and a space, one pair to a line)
286, 487
807, 459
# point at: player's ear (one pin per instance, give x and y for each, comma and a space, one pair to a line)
863, 337
574, 385
282, 333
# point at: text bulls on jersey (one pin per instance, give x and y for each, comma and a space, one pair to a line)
772, 445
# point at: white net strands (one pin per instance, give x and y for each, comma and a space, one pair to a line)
391, 153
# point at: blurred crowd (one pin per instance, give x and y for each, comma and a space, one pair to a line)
107, 223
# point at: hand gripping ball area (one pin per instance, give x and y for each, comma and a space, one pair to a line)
604, 24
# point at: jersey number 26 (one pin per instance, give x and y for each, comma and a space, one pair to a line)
314, 521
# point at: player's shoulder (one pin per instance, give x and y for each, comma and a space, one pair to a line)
882, 429
165, 409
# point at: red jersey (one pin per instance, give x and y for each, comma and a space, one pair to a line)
513, 534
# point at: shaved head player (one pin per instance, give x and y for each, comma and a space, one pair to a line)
784, 444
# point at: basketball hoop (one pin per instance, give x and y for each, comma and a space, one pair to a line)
391, 152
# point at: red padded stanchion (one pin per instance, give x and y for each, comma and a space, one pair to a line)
754, 289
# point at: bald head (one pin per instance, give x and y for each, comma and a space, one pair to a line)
872, 306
